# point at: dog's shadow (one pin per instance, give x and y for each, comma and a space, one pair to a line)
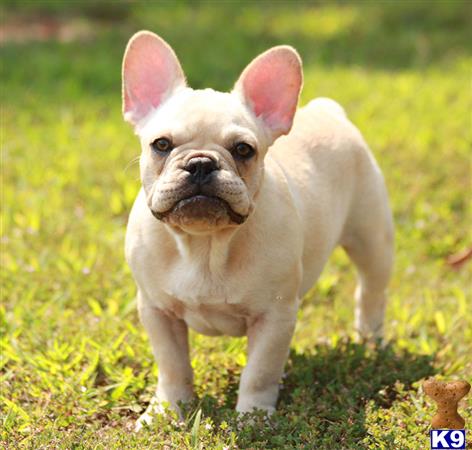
328, 387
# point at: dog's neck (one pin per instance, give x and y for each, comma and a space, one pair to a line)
211, 250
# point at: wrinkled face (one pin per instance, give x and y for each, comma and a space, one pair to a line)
202, 150
202, 160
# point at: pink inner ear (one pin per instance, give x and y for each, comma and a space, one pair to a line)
272, 84
150, 72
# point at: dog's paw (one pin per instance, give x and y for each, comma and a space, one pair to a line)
155, 408
254, 417
266, 410
370, 340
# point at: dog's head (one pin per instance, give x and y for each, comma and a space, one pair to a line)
203, 151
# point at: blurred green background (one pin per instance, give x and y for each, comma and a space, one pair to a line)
76, 368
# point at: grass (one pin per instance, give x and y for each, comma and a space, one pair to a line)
76, 366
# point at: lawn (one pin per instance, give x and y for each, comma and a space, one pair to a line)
76, 367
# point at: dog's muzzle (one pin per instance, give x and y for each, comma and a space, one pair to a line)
201, 206
200, 203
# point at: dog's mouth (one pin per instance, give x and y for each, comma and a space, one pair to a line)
201, 207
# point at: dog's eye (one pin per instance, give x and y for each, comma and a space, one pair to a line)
242, 151
162, 145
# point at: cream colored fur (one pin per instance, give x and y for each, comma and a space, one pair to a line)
306, 193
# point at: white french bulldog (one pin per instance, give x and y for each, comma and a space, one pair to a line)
234, 221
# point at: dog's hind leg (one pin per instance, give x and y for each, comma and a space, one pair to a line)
368, 240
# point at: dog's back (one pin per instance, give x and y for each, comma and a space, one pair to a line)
339, 192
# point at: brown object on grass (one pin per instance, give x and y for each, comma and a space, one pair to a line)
447, 396
457, 260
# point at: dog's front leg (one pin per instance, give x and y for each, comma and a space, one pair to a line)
169, 341
268, 344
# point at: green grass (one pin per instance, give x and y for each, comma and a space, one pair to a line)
76, 366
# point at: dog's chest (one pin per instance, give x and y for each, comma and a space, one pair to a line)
193, 284
208, 303
211, 319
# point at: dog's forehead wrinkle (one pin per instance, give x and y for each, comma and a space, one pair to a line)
191, 114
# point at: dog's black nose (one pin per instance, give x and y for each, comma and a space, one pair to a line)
200, 169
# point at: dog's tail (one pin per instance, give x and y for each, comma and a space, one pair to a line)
329, 105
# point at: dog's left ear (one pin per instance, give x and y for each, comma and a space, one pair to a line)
270, 85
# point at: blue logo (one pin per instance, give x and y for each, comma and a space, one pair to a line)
447, 439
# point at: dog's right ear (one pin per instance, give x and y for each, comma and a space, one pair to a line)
151, 74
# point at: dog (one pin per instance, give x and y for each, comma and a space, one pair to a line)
243, 200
